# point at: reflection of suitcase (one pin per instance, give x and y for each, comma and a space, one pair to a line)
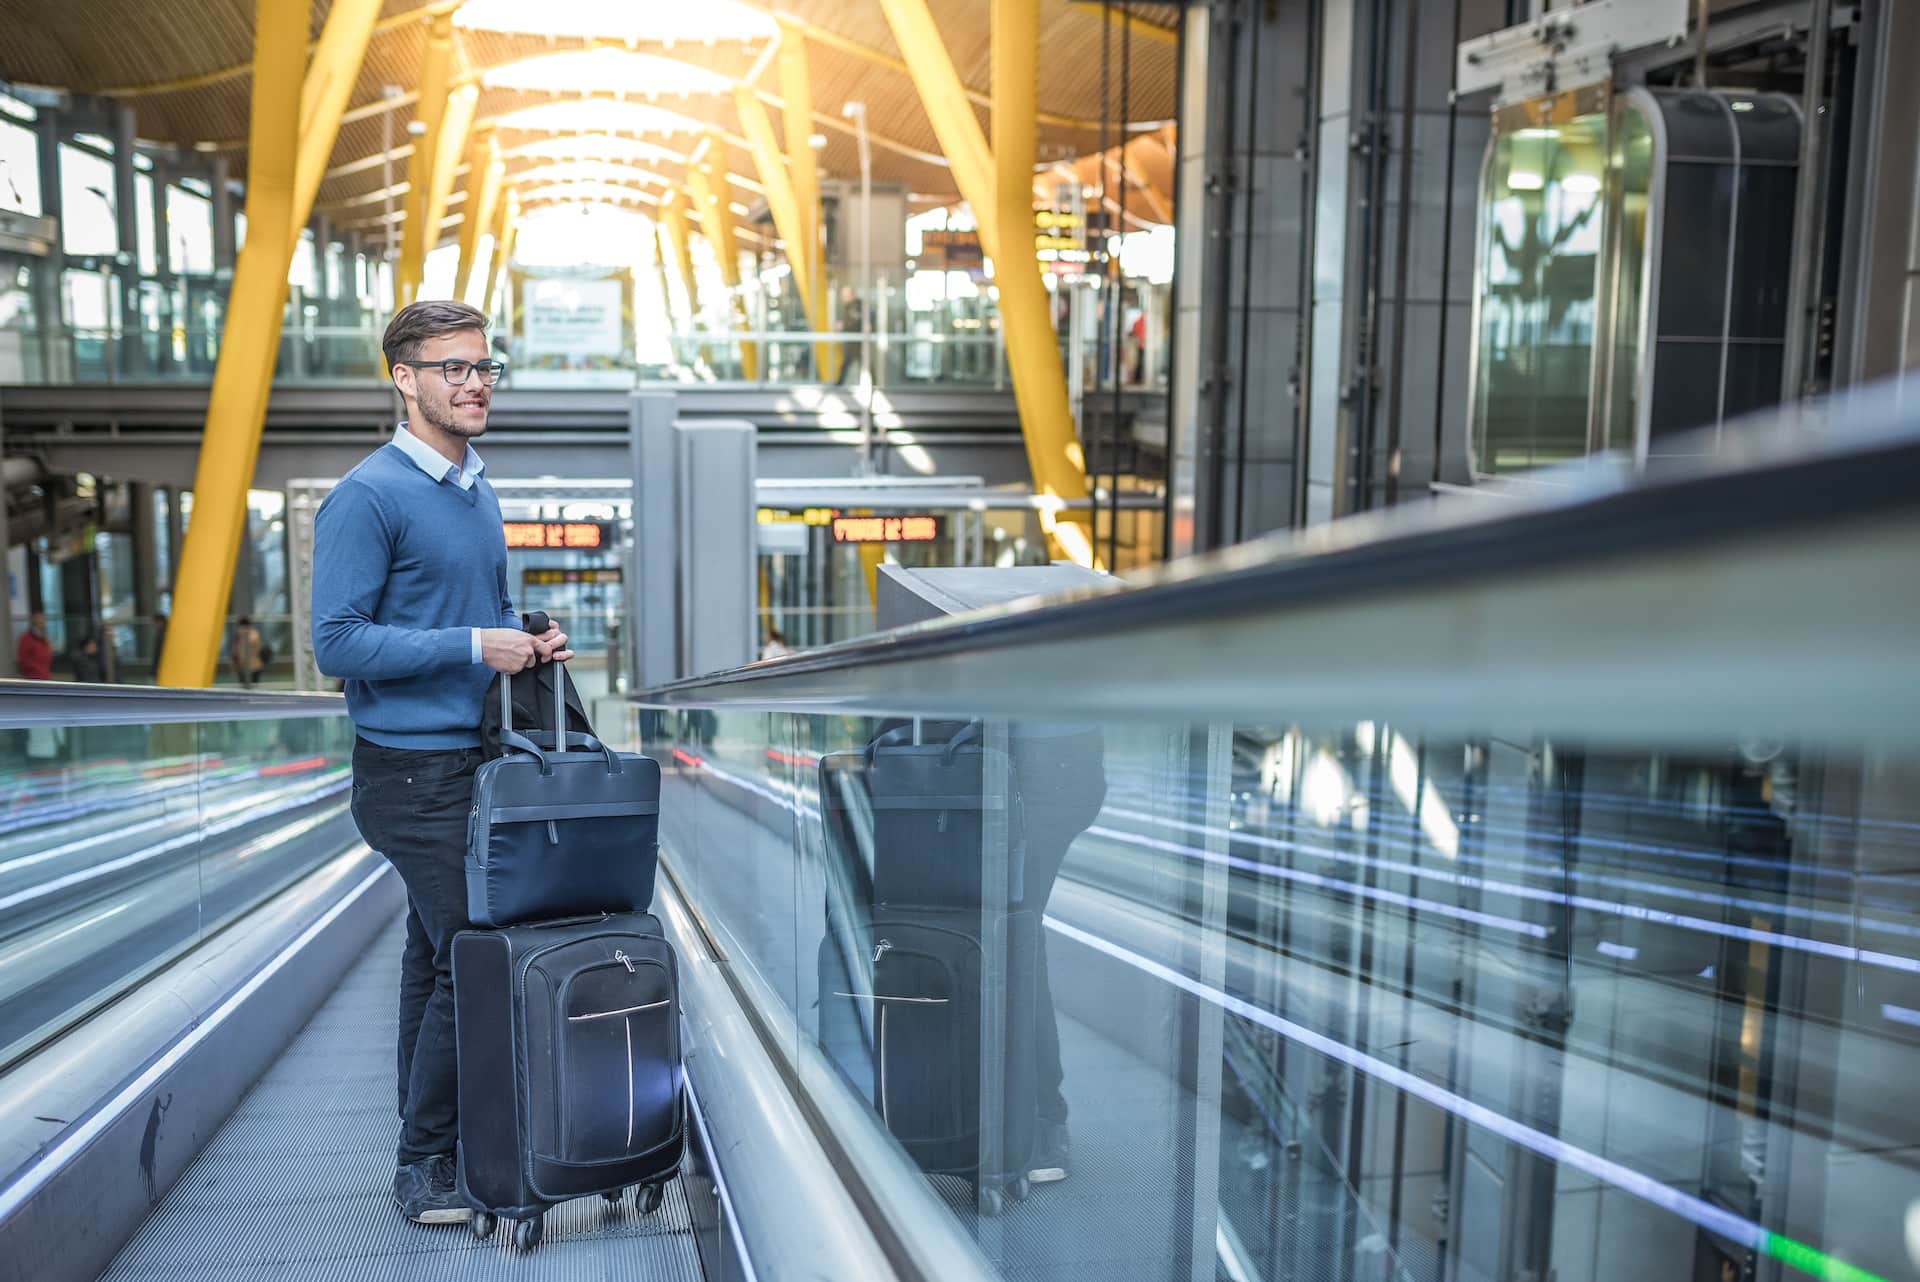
568, 1036
904, 1010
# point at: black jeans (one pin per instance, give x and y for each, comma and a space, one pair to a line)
411, 806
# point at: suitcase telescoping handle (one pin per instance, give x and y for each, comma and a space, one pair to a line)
537, 624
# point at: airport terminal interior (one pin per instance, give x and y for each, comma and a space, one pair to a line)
1278, 635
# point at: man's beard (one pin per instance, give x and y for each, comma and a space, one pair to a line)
440, 414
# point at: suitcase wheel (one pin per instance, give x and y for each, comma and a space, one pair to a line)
526, 1233
992, 1202
614, 1195
484, 1224
648, 1197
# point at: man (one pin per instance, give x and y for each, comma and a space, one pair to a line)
244, 650
34, 655
86, 662
410, 606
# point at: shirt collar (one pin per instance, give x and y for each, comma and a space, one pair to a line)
434, 464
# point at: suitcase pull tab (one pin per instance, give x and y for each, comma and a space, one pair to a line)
553, 833
879, 948
624, 960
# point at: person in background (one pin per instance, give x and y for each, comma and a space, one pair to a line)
850, 323
33, 657
245, 651
86, 662
776, 644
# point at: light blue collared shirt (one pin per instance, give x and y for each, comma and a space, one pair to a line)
435, 464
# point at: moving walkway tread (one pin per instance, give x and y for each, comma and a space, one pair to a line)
296, 1183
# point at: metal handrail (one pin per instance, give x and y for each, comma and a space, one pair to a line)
25, 704
1757, 587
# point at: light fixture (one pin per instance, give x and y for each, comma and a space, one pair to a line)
817, 141
1741, 104
1524, 180
606, 70
1582, 184
599, 115
629, 21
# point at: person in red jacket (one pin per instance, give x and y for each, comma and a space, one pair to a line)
34, 657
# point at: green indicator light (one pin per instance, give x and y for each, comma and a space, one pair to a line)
1810, 1260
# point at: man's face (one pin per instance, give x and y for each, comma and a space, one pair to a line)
37, 623
460, 410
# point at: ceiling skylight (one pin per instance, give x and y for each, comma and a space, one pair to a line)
634, 21
571, 171
607, 70
588, 193
597, 147
599, 115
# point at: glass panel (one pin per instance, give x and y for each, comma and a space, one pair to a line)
190, 232
19, 168
1538, 268
149, 247
1631, 166
87, 221
125, 845
1334, 1002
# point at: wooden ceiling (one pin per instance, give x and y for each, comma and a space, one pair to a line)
183, 67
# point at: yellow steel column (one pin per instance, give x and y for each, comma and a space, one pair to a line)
708, 177
249, 345
673, 221
452, 142
503, 233
324, 93
485, 171
998, 184
793, 226
436, 65
796, 89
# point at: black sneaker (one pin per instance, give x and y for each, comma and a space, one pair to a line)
1053, 1162
426, 1194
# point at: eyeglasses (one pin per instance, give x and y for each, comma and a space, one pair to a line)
457, 372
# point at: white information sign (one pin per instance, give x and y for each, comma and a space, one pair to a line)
572, 318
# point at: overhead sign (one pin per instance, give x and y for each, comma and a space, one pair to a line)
954, 251
808, 516
557, 576
580, 535
886, 529
572, 318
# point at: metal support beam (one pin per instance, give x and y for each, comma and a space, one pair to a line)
485, 172
716, 219
998, 183
220, 183
132, 347
236, 405
796, 90
435, 67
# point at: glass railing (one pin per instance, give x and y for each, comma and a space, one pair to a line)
136, 824
1533, 895
334, 354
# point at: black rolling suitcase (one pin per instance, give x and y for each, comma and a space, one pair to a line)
568, 1035
903, 1007
554, 832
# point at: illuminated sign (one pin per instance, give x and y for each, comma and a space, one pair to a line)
782, 516
553, 576
886, 529
579, 535
1053, 219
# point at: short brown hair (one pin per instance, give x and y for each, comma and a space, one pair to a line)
415, 323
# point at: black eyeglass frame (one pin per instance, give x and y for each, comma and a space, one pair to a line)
499, 368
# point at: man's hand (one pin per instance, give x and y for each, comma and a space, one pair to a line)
508, 649
552, 645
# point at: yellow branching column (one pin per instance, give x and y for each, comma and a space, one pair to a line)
998, 183
673, 222
793, 227
709, 181
796, 90
452, 142
281, 159
436, 68
485, 172
503, 233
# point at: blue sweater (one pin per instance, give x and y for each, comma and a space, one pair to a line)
404, 568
